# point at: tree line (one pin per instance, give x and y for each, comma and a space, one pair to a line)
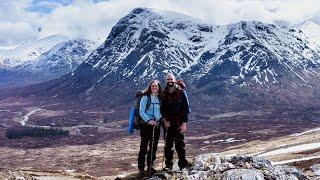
19, 132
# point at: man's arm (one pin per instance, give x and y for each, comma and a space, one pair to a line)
162, 107
185, 112
163, 112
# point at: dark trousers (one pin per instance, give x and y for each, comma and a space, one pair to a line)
174, 136
146, 139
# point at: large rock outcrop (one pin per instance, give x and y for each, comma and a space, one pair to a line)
218, 167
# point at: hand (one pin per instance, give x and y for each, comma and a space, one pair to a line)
152, 122
166, 123
183, 128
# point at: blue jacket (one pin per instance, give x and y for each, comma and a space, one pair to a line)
153, 112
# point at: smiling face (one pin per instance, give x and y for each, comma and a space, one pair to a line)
170, 79
154, 88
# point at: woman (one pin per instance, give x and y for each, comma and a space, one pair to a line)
150, 130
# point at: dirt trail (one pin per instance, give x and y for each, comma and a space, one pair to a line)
26, 117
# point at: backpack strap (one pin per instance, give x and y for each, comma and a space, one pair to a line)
179, 92
160, 100
148, 101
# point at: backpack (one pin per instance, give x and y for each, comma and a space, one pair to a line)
182, 88
181, 84
137, 118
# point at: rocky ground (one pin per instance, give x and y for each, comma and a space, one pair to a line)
216, 166
296, 156
97, 150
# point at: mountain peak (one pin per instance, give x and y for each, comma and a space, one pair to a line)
162, 13
30, 51
148, 42
311, 30
307, 24
140, 10
61, 59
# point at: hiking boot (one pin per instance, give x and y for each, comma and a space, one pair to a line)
166, 169
141, 173
153, 170
186, 166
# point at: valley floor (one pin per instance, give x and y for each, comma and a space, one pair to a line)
97, 150
118, 157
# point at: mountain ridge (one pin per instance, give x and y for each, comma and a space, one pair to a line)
240, 65
29, 51
62, 58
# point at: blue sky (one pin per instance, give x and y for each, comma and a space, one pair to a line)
20, 20
47, 6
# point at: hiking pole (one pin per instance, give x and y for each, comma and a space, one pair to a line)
164, 147
150, 170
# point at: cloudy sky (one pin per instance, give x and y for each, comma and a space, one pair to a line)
24, 20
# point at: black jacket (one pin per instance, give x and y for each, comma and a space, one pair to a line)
175, 105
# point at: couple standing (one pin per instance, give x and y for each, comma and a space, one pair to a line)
170, 108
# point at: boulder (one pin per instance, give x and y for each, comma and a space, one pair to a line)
223, 167
316, 170
205, 162
243, 174
288, 173
241, 161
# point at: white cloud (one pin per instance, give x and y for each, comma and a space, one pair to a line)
16, 32
16, 25
86, 19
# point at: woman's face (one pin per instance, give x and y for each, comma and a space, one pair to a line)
154, 87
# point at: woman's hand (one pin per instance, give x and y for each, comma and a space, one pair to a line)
152, 122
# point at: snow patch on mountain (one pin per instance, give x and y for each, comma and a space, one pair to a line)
59, 60
29, 51
297, 148
148, 43
64, 57
311, 30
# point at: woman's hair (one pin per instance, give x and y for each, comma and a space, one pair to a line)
147, 91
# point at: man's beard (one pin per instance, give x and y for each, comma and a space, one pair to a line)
170, 84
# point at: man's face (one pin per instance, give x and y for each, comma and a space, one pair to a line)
170, 81
169, 78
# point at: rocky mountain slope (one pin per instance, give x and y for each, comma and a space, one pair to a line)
29, 51
57, 61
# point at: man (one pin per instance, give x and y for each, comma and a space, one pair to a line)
175, 110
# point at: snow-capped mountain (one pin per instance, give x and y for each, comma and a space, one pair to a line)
227, 64
146, 44
253, 52
61, 59
29, 51
311, 30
